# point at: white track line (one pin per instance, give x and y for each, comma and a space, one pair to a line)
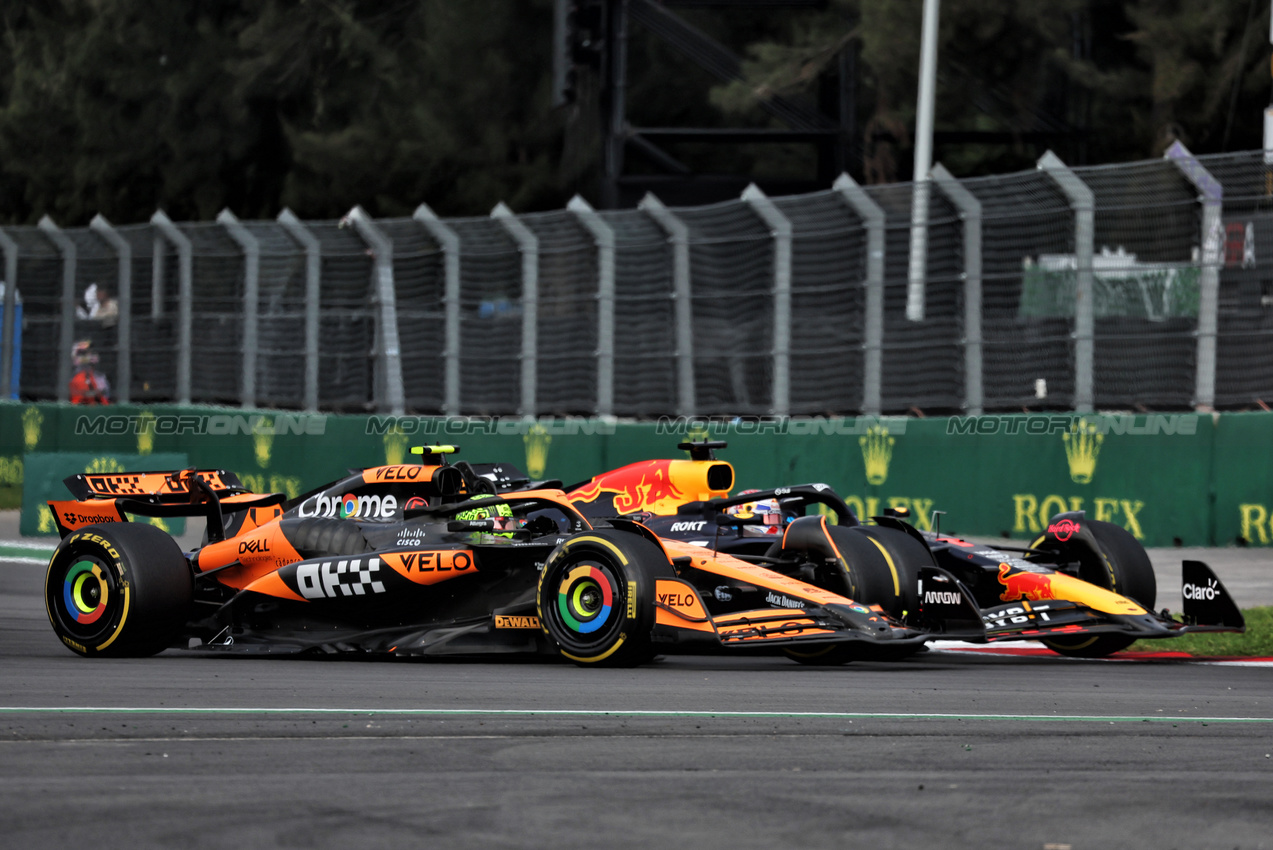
637, 713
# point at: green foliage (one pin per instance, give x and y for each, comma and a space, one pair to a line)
125, 106
1256, 641
122, 106
1098, 80
811, 44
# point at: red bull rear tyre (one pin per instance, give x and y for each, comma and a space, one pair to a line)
876, 566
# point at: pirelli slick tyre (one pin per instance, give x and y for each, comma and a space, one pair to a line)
894, 566
1121, 565
880, 567
855, 567
596, 597
118, 590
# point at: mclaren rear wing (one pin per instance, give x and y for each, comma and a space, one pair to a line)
108, 496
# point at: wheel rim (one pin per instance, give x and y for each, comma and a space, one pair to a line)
588, 608
88, 593
585, 599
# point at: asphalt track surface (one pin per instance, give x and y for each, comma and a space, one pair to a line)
949, 749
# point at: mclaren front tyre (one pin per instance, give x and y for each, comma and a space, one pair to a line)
596, 597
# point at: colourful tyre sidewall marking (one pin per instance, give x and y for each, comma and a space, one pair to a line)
577, 599
85, 592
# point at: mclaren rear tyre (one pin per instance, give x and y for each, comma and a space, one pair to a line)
1122, 566
596, 597
118, 590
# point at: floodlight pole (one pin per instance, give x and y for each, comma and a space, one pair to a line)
923, 162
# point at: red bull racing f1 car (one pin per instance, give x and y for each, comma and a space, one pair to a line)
428, 559
1085, 588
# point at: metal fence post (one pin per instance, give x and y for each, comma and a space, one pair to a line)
679, 235
251, 295
313, 277
66, 335
9, 336
185, 295
449, 240
528, 244
1083, 202
603, 236
1211, 194
390, 356
970, 212
873, 323
158, 254
124, 290
780, 227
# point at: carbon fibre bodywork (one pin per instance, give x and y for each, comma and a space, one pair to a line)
390, 561
1083, 587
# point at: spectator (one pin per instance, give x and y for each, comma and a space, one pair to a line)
107, 311
99, 305
88, 386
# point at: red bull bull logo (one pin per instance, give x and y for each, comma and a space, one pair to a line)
1024, 585
638, 487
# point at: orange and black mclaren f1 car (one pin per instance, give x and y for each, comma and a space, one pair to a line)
1084, 588
428, 559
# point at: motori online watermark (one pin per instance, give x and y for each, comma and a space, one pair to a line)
462, 426
695, 426
1119, 424
211, 425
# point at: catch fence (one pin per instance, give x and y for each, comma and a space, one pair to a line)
1146, 285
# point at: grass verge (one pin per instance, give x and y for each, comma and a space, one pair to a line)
1258, 640
10, 498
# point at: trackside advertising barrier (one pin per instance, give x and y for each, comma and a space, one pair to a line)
1170, 479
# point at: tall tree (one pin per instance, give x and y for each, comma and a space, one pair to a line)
1101, 80
121, 106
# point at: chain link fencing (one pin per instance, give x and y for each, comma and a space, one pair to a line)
1143, 286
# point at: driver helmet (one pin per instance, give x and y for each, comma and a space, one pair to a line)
769, 511
498, 510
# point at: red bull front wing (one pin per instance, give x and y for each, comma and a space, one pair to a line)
1039, 604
